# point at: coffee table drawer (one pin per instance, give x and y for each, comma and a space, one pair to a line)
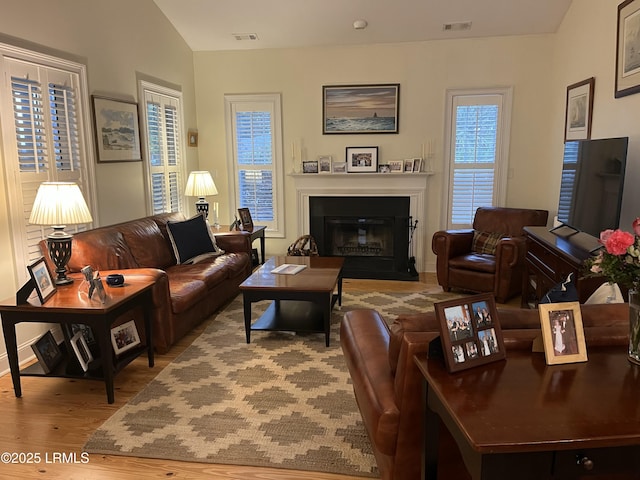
598, 463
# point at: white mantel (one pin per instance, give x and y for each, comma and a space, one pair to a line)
412, 185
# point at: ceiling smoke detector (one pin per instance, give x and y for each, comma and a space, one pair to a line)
456, 26
360, 24
245, 36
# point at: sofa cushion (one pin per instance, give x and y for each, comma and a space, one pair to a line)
148, 245
485, 242
192, 240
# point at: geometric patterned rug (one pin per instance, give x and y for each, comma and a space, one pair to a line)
282, 401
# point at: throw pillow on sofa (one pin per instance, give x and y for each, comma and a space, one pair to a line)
192, 240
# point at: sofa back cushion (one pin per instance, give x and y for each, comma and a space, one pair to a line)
508, 221
103, 248
147, 244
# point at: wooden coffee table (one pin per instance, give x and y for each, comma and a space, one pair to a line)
301, 302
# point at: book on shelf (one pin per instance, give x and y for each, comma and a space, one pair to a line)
288, 269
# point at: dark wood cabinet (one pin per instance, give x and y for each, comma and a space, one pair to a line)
551, 257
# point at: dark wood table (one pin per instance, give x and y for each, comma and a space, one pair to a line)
258, 232
301, 302
68, 306
521, 419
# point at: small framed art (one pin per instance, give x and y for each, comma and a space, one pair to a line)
579, 110
42, 279
417, 165
339, 167
310, 166
562, 333
469, 331
81, 349
627, 48
124, 337
47, 352
192, 136
396, 166
408, 165
246, 222
362, 159
324, 164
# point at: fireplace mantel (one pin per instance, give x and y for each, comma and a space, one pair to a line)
412, 185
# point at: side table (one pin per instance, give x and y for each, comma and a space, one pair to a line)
257, 232
67, 306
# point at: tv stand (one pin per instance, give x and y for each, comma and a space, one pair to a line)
550, 258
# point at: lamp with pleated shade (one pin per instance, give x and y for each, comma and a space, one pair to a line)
200, 184
59, 204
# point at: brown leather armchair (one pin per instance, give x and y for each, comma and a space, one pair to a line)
489, 257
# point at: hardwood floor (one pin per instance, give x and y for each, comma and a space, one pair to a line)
57, 416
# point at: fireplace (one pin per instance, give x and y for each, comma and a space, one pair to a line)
371, 233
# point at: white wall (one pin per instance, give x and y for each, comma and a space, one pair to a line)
118, 39
424, 70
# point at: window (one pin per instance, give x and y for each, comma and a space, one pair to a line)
163, 135
45, 121
477, 148
253, 131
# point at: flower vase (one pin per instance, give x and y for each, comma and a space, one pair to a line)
634, 326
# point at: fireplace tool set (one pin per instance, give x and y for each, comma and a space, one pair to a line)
412, 259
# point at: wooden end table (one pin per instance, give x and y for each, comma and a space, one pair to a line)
258, 232
301, 302
67, 306
521, 418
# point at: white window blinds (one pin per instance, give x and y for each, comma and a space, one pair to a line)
163, 120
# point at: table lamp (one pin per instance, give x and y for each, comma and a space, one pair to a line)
200, 184
59, 204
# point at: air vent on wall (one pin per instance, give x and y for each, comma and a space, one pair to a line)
456, 26
245, 36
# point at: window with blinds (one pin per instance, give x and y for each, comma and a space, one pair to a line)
48, 126
256, 160
476, 155
163, 120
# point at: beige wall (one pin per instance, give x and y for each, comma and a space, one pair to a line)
118, 39
423, 70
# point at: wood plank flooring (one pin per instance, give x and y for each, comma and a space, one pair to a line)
58, 415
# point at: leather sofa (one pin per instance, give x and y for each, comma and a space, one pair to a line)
388, 385
490, 256
184, 294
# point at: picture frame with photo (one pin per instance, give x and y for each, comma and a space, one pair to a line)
579, 110
396, 166
246, 222
81, 349
627, 78
41, 277
417, 165
47, 352
408, 165
562, 333
117, 129
362, 159
338, 167
124, 337
324, 164
384, 168
470, 331
310, 166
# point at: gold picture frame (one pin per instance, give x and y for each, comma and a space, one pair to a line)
562, 333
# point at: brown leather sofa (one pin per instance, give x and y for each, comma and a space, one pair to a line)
388, 384
489, 257
183, 295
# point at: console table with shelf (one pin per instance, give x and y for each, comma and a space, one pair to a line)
549, 260
69, 306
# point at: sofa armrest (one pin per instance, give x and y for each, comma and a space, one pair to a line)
452, 243
238, 242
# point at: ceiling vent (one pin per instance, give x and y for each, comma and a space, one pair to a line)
245, 36
456, 26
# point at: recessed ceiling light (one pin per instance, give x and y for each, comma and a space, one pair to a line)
245, 36
456, 26
360, 24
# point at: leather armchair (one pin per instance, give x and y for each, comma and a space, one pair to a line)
490, 256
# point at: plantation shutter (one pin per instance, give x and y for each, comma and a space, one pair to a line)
49, 144
474, 156
568, 181
163, 121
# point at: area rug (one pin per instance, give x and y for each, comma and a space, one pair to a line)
282, 401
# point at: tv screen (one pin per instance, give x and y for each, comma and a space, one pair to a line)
592, 183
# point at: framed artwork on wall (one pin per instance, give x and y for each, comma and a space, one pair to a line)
350, 109
117, 130
628, 49
470, 331
362, 159
579, 110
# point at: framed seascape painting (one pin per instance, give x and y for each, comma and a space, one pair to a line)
628, 49
117, 130
349, 109
579, 110
469, 331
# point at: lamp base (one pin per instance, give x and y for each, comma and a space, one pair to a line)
202, 206
60, 252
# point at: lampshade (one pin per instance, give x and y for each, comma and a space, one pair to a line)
200, 184
59, 203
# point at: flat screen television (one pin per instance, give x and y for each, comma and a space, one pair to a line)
592, 184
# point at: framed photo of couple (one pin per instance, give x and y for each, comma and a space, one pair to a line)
562, 333
469, 331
